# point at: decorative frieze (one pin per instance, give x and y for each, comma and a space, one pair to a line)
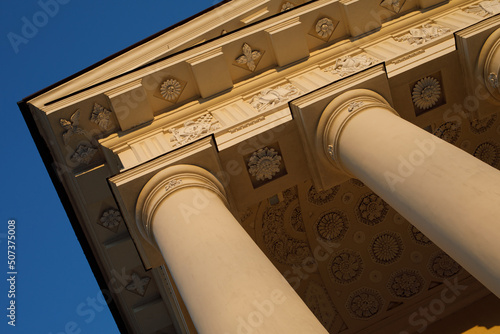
351, 64
71, 126
484, 8
192, 130
408, 56
271, 97
250, 58
427, 32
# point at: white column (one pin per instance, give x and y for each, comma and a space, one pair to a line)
226, 281
452, 197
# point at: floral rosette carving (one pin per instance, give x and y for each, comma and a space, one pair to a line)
489, 153
324, 28
364, 303
405, 283
100, 116
264, 163
332, 226
443, 266
111, 219
346, 266
371, 209
426, 93
418, 236
386, 247
171, 89
449, 131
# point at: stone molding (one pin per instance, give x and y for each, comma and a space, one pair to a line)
336, 115
489, 64
164, 184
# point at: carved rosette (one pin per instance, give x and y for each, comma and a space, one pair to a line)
488, 152
393, 5
351, 64
478, 126
364, 303
321, 197
264, 163
418, 237
249, 59
386, 247
332, 226
449, 131
111, 219
100, 116
346, 266
138, 285
426, 93
371, 209
405, 283
441, 265
323, 28
171, 90
83, 154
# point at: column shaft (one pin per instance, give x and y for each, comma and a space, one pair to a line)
226, 281
452, 197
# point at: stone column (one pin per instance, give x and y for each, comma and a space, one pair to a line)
452, 197
489, 64
226, 281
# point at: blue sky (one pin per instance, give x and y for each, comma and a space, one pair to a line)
54, 280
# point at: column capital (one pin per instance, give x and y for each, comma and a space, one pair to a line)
165, 183
489, 64
338, 113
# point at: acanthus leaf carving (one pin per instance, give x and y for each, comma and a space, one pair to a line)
100, 116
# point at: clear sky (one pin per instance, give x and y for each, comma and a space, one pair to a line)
53, 279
